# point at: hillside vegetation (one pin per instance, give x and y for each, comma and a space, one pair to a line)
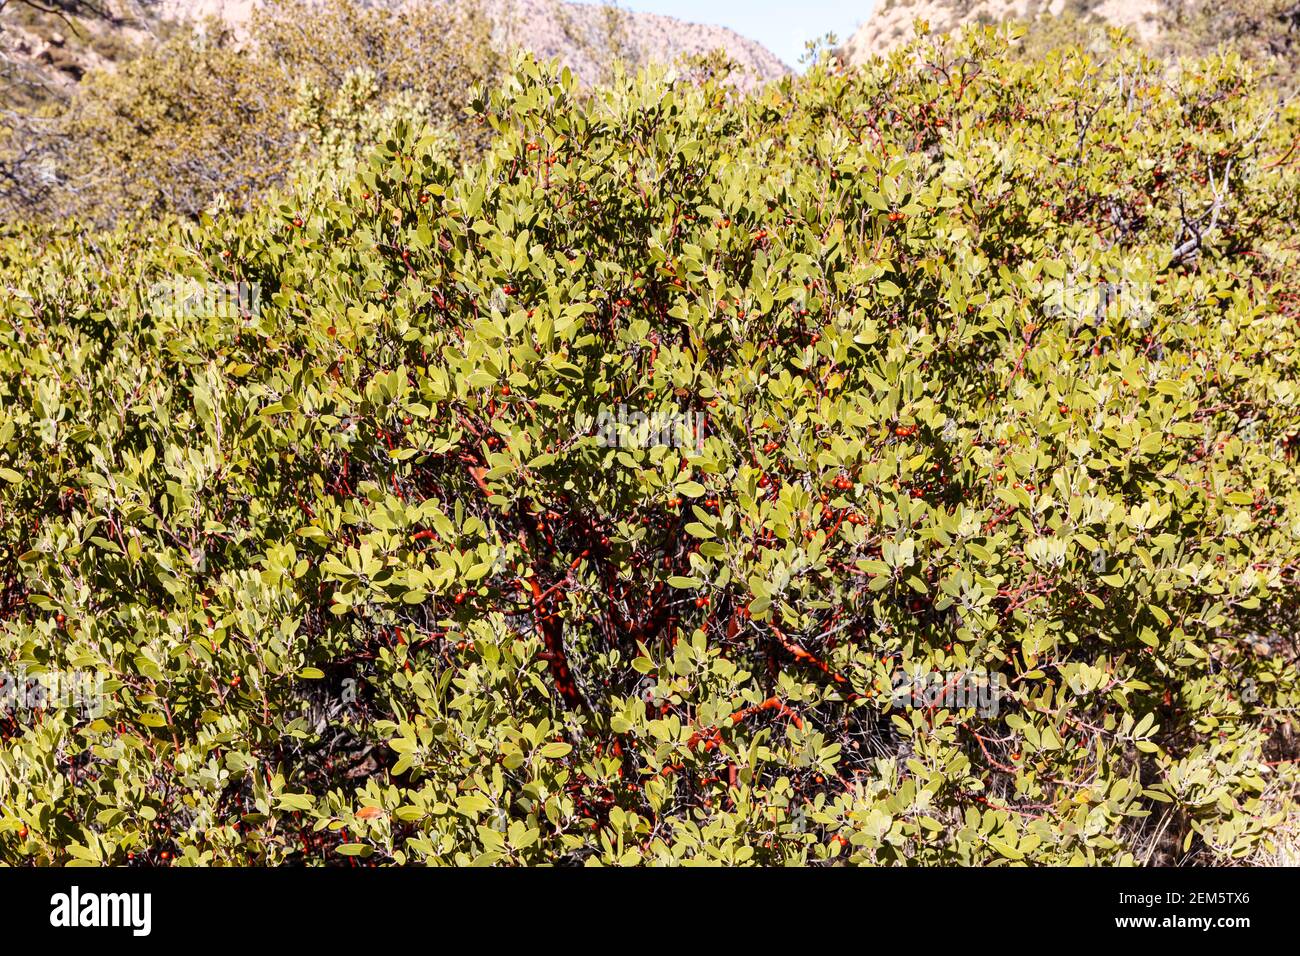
959, 372
112, 109
1266, 31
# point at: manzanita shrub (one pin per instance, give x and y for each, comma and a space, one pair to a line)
972, 368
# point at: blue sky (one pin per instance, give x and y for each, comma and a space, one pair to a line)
783, 26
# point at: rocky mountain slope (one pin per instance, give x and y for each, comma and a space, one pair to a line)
56, 52
47, 48
586, 36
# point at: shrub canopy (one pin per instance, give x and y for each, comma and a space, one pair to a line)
982, 367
